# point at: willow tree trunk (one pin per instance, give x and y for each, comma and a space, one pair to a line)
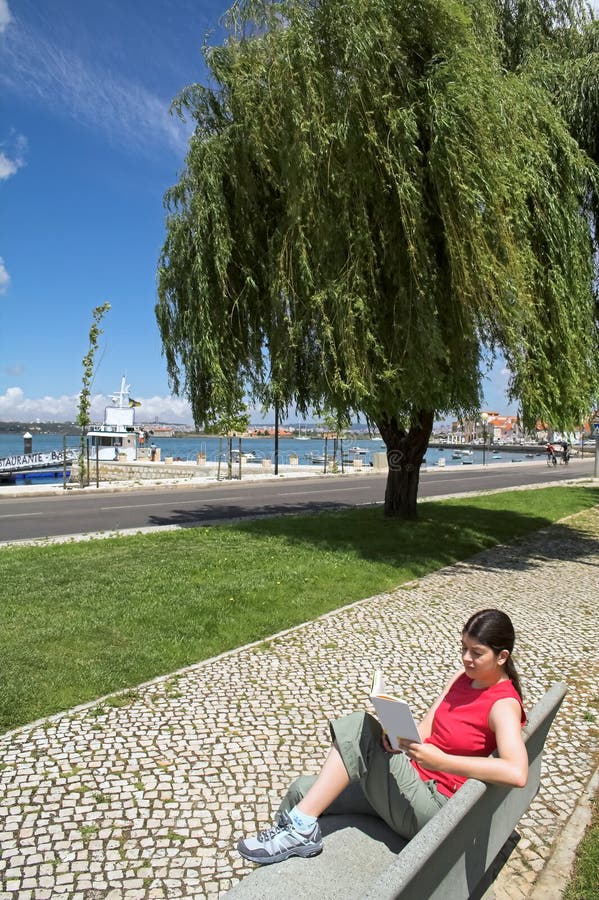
405, 452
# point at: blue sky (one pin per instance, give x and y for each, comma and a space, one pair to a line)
87, 150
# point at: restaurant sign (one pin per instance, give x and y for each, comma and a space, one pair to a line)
27, 461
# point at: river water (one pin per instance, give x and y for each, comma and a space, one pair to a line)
309, 452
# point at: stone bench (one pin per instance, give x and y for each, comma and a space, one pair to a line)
456, 856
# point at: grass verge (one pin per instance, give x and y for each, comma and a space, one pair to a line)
81, 620
584, 884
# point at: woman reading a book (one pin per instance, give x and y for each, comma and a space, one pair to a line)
479, 711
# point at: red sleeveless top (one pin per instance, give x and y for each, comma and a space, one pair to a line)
461, 727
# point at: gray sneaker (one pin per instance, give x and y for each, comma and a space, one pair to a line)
280, 842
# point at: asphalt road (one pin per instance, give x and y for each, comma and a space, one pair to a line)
27, 517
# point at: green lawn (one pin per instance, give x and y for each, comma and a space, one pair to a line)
585, 880
81, 620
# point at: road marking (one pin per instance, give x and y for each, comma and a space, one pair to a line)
19, 515
227, 499
170, 503
474, 475
320, 491
205, 502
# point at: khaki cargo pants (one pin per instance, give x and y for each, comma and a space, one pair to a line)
381, 784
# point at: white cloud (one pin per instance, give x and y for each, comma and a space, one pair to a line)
8, 166
4, 277
16, 406
5, 16
12, 160
58, 79
165, 409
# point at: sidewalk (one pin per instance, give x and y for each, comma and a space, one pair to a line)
143, 796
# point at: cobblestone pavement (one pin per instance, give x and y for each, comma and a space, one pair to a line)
143, 795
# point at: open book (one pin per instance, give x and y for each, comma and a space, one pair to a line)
394, 715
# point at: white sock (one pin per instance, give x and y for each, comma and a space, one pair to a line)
302, 821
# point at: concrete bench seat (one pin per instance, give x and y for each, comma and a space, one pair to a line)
455, 856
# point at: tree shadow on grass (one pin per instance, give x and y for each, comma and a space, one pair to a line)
445, 533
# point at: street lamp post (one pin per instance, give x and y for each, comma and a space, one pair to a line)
276, 437
484, 418
596, 464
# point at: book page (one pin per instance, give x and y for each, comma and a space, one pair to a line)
394, 715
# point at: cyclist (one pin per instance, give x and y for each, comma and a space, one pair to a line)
551, 457
565, 452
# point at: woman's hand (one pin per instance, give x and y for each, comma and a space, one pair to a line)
386, 744
426, 755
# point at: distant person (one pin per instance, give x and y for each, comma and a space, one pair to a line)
480, 710
566, 452
551, 457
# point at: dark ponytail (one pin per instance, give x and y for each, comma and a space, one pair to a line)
494, 629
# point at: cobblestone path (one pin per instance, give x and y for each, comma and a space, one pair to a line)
144, 795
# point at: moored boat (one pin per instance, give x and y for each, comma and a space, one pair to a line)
317, 459
116, 438
245, 457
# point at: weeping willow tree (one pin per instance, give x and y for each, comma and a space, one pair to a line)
377, 192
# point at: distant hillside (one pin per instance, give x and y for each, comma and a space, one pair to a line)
39, 428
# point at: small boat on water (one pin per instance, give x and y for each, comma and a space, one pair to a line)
359, 451
245, 457
317, 459
496, 456
457, 454
467, 461
467, 452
